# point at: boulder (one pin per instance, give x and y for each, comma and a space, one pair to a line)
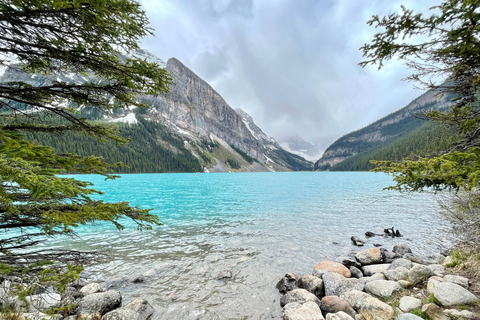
457, 314
408, 316
225, 275
404, 283
300, 296
339, 316
356, 273
38, 316
434, 312
348, 261
401, 262
382, 288
400, 273
136, 310
419, 273
312, 284
334, 304
335, 284
333, 267
376, 276
369, 256
100, 302
409, 303
437, 269
432, 283
450, 294
461, 281
357, 241
287, 283
376, 268
117, 282
435, 258
300, 311
401, 249
388, 256
43, 301
354, 298
367, 306
91, 288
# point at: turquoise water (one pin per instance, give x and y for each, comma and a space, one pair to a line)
257, 225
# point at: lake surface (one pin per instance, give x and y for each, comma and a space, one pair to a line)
257, 225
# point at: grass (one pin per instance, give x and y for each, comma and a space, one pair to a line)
418, 312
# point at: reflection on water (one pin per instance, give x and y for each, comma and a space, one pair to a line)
259, 226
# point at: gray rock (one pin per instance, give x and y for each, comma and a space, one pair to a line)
408, 316
368, 306
141, 307
437, 269
388, 256
400, 273
432, 283
39, 316
434, 312
435, 258
356, 273
312, 284
338, 316
100, 302
376, 276
355, 298
334, 304
450, 294
419, 273
43, 301
336, 284
114, 283
91, 288
348, 261
457, 314
369, 256
382, 288
401, 262
300, 296
401, 249
377, 268
121, 314
301, 311
224, 274
461, 281
287, 283
409, 303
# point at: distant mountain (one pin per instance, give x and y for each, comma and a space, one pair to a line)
190, 128
297, 145
393, 137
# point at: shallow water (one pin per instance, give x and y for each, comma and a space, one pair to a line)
257, 225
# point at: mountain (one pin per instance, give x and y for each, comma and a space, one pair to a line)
189, 129
297, 145
393, 137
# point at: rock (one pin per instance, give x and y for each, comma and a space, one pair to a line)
121, 314
432, 283
450, 294
400, 273
376, 276
409, 303
355, 272
224, 274
300, 296
448, 261
348, 261
434, 312
136, 310
334, 304
459, 314
369, 307
419, 273
335, 284
38, 316
333, 267
43, 301
376, 268
404, 283
401, 249
357, 241
408, 316
91, 288
298, 311
461, 281
388, 256
100, 302
401, 262
369, 256
435, 258
114, 283
382, 288
312, 284
138, 279
338, 316
287, 283
437, 269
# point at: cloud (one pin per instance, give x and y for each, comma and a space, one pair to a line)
293, 65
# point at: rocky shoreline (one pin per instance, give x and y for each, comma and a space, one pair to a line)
377, 284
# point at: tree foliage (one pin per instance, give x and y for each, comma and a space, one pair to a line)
55, 38
443, 50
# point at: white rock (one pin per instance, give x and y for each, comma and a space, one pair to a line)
297, 311
408, 303
450, 294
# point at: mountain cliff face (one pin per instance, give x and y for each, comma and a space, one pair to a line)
305, 149
381, 132
220, 138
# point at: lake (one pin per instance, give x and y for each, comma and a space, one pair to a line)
259, 226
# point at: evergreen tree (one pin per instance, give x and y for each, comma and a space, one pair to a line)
445, 46
97, 39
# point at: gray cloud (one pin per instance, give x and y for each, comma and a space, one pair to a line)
292, 65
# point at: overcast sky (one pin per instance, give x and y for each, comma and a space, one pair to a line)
291, 64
